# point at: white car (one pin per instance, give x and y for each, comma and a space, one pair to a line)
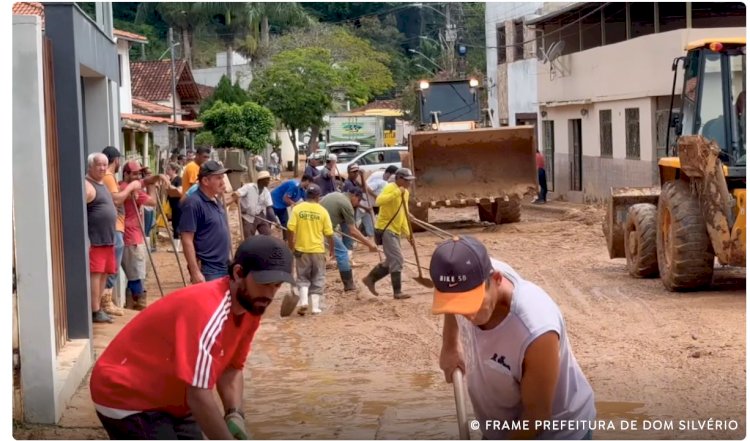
378, 158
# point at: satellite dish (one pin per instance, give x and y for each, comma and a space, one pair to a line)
555, 50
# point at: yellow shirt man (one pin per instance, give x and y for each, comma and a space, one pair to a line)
390, 203
190, 176
310, 222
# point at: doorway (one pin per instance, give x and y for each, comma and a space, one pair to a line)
574, 133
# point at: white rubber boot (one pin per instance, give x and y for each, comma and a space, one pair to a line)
177, 245
302, 305
315, 300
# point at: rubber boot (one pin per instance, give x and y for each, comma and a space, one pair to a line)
315, 303
177, 245
108, 306
141, 301
348, 278
302, 305
129, 302
376, 274
396, 283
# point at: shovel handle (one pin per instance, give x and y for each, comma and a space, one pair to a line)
460, 396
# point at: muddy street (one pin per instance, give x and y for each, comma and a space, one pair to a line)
368, 368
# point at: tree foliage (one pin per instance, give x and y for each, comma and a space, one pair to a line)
297, 86
205, 139
247, 126
361, 69
227, 93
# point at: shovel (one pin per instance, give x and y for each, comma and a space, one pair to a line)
460, 396
422, 280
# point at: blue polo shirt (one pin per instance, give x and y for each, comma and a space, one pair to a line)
205, 218
292, 188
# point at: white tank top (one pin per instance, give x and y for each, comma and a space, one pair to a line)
494, 359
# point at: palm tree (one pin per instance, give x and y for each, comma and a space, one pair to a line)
184, 17
231, 22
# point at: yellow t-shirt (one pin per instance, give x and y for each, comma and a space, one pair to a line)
189, 176
111, 183
389, 202
309, 223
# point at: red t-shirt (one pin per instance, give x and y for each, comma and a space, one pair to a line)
539, 164
188, 338
133, 234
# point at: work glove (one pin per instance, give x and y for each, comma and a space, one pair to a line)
236, 425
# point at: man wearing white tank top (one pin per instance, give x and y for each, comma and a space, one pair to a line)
510, 339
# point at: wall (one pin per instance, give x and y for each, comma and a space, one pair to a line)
522, 97
210, 76
498, 79
599, 174
650, 76
123, 51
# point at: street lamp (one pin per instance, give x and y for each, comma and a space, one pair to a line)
473, 82
420, 5
414, 51
177, 43
424, 68
424, 84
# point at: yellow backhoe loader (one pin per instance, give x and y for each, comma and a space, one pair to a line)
698, 214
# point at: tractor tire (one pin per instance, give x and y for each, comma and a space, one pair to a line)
420, 213
684, 251
640, 241
507, 212
486, 212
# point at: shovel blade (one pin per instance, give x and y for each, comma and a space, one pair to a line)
289, 303
424, 281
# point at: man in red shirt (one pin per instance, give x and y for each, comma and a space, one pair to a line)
134, 254
542, 175
156, 378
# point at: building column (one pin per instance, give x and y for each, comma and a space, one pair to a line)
132, 146
32, 225
146, 159
60, 28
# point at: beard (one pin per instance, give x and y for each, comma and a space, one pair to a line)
255, 306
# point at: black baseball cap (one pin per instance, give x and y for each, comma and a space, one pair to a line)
111, 153
267, 258
355, 191
391, 169
209, 168
459, 268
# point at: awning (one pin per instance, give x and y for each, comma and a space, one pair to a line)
556, 14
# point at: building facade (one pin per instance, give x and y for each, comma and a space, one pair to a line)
604, 96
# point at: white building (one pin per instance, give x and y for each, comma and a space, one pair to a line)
511, 63
241, 71
604, 101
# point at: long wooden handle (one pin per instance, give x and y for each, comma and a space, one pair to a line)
411, 235
460, 396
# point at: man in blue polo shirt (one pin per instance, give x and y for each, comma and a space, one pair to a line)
203, 226
286, 195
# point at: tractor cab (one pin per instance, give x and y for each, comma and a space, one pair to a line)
713, 97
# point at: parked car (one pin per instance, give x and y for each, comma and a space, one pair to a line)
378, 158
345, 151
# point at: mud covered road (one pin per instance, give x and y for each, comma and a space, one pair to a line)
368, 368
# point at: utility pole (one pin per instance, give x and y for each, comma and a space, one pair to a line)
173, 140
450, 38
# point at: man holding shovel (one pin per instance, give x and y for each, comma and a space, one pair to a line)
340, 207
521, 365
256, 205
156, 379
392, 224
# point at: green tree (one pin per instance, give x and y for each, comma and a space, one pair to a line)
231, 22
205, 139
247, 126
282, 16
184, 17
298, 88
227, 93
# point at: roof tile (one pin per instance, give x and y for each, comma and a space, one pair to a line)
152, 81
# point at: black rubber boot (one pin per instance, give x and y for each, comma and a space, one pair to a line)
376, 274
348, 278
396, 283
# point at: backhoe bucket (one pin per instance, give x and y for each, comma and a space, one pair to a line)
473, 164
620, 201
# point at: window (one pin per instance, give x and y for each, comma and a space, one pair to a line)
501, 58
717, 15
119, 64
672, 16
518, 40
632, 134
614, 23
372, 158
591, 29
392, 156
641, 19
605, 133
548, 133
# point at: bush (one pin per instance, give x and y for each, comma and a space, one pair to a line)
247, 126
